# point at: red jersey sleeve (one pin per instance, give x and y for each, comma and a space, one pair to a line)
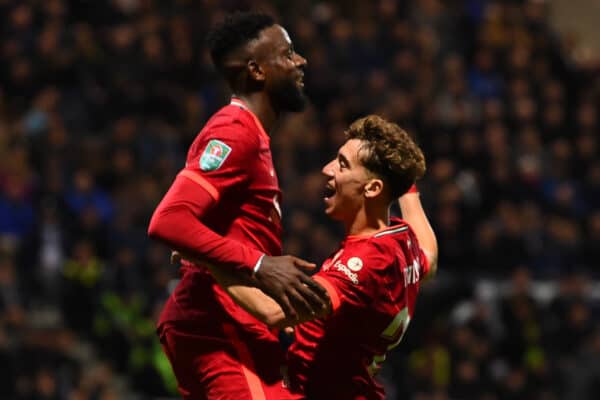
217, 162
221, 157
414, 248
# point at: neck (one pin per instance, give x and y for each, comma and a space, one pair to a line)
367, 222
259, 104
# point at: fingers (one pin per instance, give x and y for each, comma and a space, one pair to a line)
305, 265
317, 302
300, 299
284, 279
315, 287
287, 307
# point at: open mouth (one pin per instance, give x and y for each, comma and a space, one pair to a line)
328, 192
300, 81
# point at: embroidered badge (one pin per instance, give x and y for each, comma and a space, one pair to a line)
214, 155
355, 264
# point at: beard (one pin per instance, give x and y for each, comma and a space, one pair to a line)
288, 96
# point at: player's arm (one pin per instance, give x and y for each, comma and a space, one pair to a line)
242, 290
264, 308
257, 303
177, 222
413, 213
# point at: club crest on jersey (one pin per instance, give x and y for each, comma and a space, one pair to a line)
214, 155
355, 264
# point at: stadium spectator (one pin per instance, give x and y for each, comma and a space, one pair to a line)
118, 89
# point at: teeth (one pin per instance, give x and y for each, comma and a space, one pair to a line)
329, 191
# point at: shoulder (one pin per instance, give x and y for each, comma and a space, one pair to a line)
399, 238
231, 123
368, 248
361, 259
385, 250
402, 241
355, 275
390, 241
230, 128
398, 230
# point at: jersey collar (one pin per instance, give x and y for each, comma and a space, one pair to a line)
399, 226
241, 104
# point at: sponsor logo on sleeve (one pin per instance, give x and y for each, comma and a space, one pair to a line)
346, 271
214, 155
329, 262
355, 264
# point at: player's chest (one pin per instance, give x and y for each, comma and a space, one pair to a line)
262, 174
345, 264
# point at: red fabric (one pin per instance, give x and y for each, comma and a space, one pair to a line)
204, 373
332, 357
240, 225
230, 216
176, 223
413, 189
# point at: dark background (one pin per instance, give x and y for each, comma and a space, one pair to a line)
99, 101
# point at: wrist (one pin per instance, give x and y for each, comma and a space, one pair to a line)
258, 264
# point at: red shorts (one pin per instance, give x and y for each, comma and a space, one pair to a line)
227, 368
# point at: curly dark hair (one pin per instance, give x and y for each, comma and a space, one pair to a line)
234, 31
388, 152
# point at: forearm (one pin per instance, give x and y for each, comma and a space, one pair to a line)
242, 290
257, 303
413, 213
253, 300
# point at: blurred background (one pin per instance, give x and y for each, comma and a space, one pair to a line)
99, 101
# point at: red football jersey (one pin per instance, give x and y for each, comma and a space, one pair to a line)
230, 159
373, 283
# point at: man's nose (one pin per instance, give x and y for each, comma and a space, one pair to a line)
300, 61
328, 169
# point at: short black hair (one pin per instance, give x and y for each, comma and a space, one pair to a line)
234, 31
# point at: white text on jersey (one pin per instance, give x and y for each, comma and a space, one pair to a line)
411, 273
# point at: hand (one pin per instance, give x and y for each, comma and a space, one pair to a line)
282, 279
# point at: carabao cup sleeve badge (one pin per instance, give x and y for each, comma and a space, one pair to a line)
214, 155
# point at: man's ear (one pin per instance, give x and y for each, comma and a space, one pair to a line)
255, 72
373, 188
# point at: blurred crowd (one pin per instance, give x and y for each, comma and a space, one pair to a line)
100, 99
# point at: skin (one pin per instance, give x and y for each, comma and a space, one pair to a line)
355, 196
360, 201
268, 62
267, 74
413, 213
